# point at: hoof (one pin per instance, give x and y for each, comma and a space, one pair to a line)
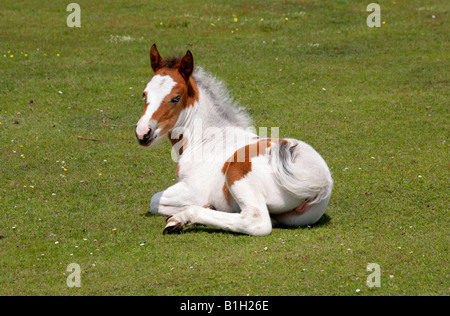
172, 227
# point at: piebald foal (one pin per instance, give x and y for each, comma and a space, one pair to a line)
228, 177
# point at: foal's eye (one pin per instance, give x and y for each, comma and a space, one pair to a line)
143, 95
176, 99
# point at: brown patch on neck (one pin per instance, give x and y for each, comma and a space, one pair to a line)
179, 144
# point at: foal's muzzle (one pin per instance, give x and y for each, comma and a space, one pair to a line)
146, 132
147, 139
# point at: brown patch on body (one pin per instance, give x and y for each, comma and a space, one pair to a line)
239, 165
226, 193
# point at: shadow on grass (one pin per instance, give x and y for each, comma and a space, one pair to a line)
198, 228
323, 221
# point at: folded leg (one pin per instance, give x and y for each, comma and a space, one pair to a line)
254, 218
172, 200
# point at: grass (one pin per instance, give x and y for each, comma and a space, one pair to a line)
372, 101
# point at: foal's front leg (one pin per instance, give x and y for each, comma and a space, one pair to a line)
172, 200
254, 218
154, 203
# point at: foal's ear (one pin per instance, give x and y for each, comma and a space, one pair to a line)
186, 66
155, 58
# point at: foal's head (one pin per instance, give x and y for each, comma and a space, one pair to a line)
170, 90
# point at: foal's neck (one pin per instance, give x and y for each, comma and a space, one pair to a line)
209, 116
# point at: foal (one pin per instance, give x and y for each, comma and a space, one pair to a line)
228, 177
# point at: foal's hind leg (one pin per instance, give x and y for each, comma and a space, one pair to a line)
303, 215
254, 218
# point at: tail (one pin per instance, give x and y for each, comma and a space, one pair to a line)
301, 171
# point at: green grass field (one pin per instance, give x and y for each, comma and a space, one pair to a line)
373, 101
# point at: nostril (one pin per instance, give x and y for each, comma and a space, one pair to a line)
147, 136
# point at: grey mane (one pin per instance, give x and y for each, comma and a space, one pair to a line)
224, 107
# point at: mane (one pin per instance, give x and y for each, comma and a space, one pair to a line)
226, 110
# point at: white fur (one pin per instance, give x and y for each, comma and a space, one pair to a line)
215, 128
305, 175
220, 110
